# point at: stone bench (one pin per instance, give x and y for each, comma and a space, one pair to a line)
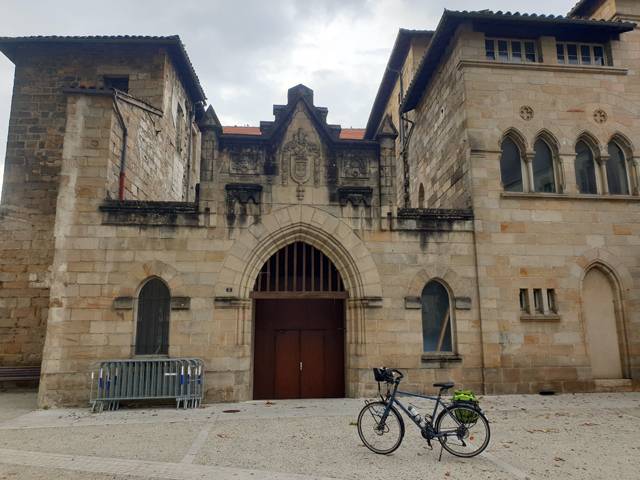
12, 374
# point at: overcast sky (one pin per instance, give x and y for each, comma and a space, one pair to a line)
248, 53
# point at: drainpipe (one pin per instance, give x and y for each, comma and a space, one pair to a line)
123, 151
192, 116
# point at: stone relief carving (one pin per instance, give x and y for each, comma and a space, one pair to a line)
526, 112
245, 160
300, 160
600, 116
354, 165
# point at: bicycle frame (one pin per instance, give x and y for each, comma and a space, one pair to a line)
392, 400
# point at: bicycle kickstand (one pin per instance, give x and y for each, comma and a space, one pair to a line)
440, 457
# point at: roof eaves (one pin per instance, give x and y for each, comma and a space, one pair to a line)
580, 7
452, 18
180, 56
398, 54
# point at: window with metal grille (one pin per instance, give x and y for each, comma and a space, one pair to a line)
299, 267
152, 331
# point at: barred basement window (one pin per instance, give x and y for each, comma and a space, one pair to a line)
515, 51
581, 54
152, 329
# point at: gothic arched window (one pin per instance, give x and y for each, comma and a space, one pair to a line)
421, 196
617, 179
585, 169
437, 325
511, 166
152, 329
543, 170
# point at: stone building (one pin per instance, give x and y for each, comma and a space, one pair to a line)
484, 227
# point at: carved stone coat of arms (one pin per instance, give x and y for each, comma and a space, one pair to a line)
300, 159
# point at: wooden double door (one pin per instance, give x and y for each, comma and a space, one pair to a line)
299, 348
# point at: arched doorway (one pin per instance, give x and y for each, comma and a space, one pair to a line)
299, 326
600, 297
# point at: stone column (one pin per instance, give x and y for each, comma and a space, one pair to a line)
634, 164
527, 180
602, 164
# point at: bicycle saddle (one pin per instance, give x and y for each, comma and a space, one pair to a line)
444, 385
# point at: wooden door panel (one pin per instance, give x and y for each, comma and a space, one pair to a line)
334, 363
290, 331
312, 355
287, 364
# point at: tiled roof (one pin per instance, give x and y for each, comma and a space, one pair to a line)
345, 133
234, 130
175, 46
580, 7
518, 22
390, 75
352, 133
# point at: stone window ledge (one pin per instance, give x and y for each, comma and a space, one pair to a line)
550, 317
440, 360
570, 196
593, 69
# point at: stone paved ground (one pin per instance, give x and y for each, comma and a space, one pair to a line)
564, 436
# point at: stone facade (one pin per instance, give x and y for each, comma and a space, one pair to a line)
416, 201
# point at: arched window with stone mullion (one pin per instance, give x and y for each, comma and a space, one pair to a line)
616, 166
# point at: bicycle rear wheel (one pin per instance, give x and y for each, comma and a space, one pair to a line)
466, 430
378, 436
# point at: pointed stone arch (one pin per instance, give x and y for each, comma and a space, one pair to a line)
316, 227
551, 141
140, 273
603, 316
517, 137
592, 142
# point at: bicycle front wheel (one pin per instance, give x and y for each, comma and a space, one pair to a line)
382, 437
463, 431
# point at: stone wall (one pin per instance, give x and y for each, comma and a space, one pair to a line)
550, 240
37, 129
214, 261
438, 149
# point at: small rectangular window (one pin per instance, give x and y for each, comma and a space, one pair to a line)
560, 50
581, 54
120, 83
551, 300
489, 46
530, 51
524, 301
585, 54
598, 55
516, 52
511, 50
503, 50
572, 54
537, 300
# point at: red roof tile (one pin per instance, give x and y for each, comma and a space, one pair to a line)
241, 130
352, 134
345, 133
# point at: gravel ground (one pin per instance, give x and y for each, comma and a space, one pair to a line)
582, 436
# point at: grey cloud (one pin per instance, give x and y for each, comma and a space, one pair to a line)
238, 47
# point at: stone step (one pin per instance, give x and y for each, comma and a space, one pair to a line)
613, 385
